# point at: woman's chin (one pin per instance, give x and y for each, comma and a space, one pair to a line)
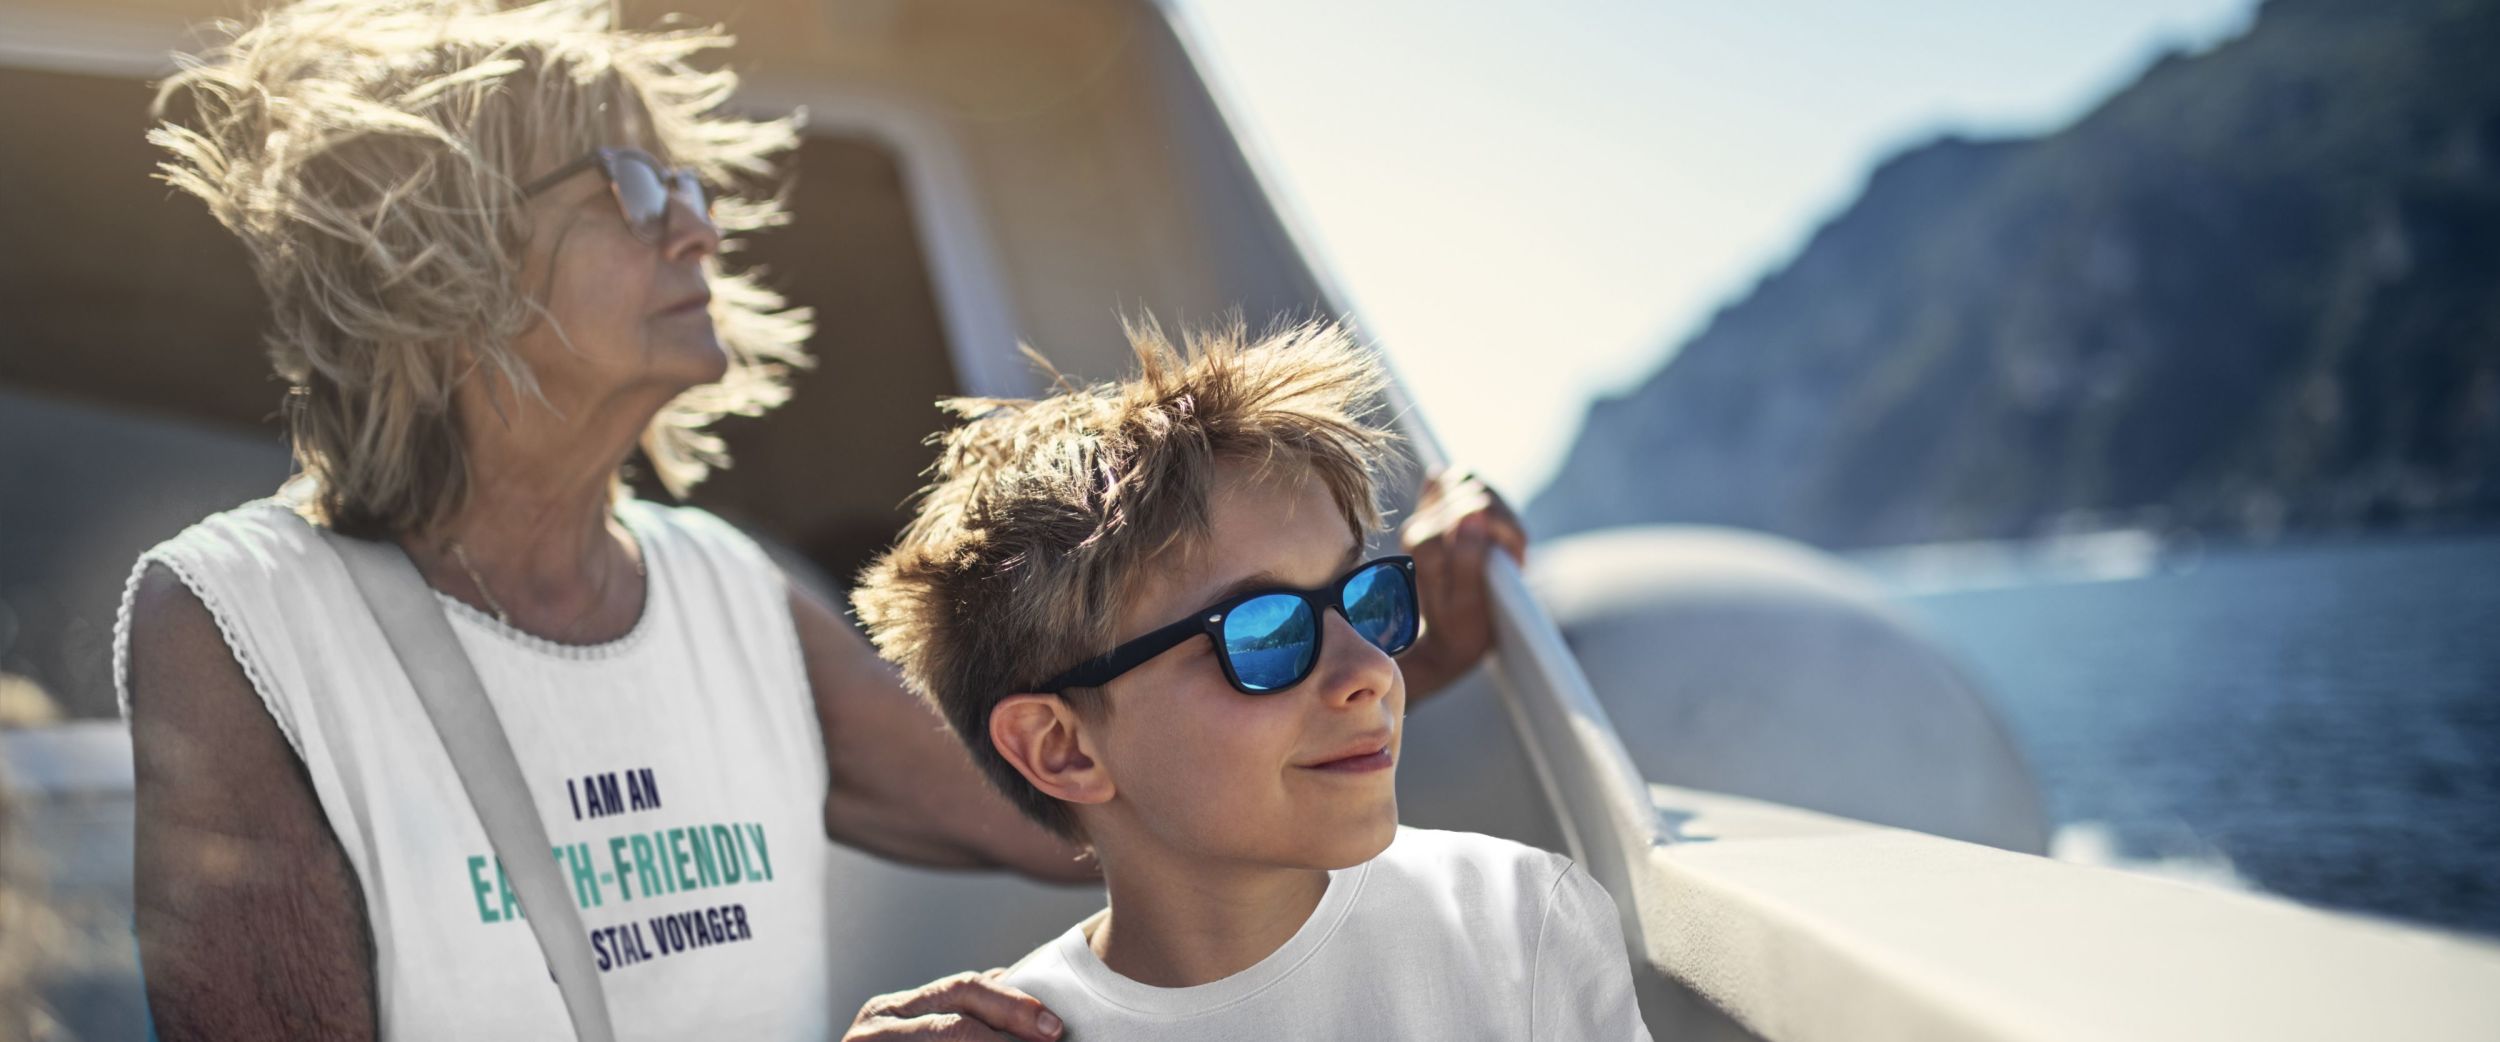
695, 361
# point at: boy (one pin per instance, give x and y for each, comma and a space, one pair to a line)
1146, 609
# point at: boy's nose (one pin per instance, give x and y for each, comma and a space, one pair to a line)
1351, 669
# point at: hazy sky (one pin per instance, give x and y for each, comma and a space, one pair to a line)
1532, 203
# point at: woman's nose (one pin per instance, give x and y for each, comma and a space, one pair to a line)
691, 233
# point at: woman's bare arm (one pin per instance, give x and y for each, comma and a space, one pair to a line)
249, 918
903, 786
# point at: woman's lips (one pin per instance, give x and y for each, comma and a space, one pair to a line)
1363, 764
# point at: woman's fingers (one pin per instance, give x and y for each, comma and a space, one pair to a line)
972, 1007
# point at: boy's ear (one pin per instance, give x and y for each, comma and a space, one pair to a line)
1043, 738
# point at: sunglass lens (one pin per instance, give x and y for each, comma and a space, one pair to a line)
1380, 602
1271, 641
642, 197
689, 190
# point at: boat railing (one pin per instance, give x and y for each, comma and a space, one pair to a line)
1754, 920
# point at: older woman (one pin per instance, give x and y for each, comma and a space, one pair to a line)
492, 258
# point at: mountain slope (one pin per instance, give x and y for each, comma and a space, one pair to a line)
2258, 289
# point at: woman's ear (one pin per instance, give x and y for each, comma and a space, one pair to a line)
1045, 740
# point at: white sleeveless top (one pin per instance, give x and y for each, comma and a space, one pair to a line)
679, 770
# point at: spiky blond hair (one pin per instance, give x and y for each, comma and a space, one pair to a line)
369, 152
1045, 515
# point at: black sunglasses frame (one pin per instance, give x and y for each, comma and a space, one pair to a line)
675, 183
1108, 666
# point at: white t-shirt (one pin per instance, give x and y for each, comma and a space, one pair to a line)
1445, 935
678, 769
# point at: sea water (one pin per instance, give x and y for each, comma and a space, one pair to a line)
2320, 721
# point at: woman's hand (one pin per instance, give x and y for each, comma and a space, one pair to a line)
967, 1007
1457, 522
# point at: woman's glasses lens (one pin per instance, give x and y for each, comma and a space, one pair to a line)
642, 196
1380, 602
643, 191
1271, 641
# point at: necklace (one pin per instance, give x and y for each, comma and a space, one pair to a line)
460, 554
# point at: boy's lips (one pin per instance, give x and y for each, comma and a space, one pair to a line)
1369, 753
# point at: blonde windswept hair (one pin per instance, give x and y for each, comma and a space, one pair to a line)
1045, 515
368, 154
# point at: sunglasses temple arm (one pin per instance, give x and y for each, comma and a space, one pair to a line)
1105, 668
559, 174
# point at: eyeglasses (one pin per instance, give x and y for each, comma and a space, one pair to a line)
1268, 640
641, 186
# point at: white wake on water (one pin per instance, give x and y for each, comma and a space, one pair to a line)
2096, 843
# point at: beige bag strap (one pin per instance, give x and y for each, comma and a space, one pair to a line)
455, 700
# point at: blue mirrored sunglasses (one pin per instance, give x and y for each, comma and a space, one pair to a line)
1268, 640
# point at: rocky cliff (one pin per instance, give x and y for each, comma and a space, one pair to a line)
2257, 290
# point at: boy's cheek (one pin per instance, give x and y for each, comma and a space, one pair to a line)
1178, 758
1213, 765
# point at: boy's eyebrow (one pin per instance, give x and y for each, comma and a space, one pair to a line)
1270, 580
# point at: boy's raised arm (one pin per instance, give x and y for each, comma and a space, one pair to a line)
1456, 524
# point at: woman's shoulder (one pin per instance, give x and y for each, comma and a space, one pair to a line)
689, 525
241, 576
233, 558
702, 539
264, 534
